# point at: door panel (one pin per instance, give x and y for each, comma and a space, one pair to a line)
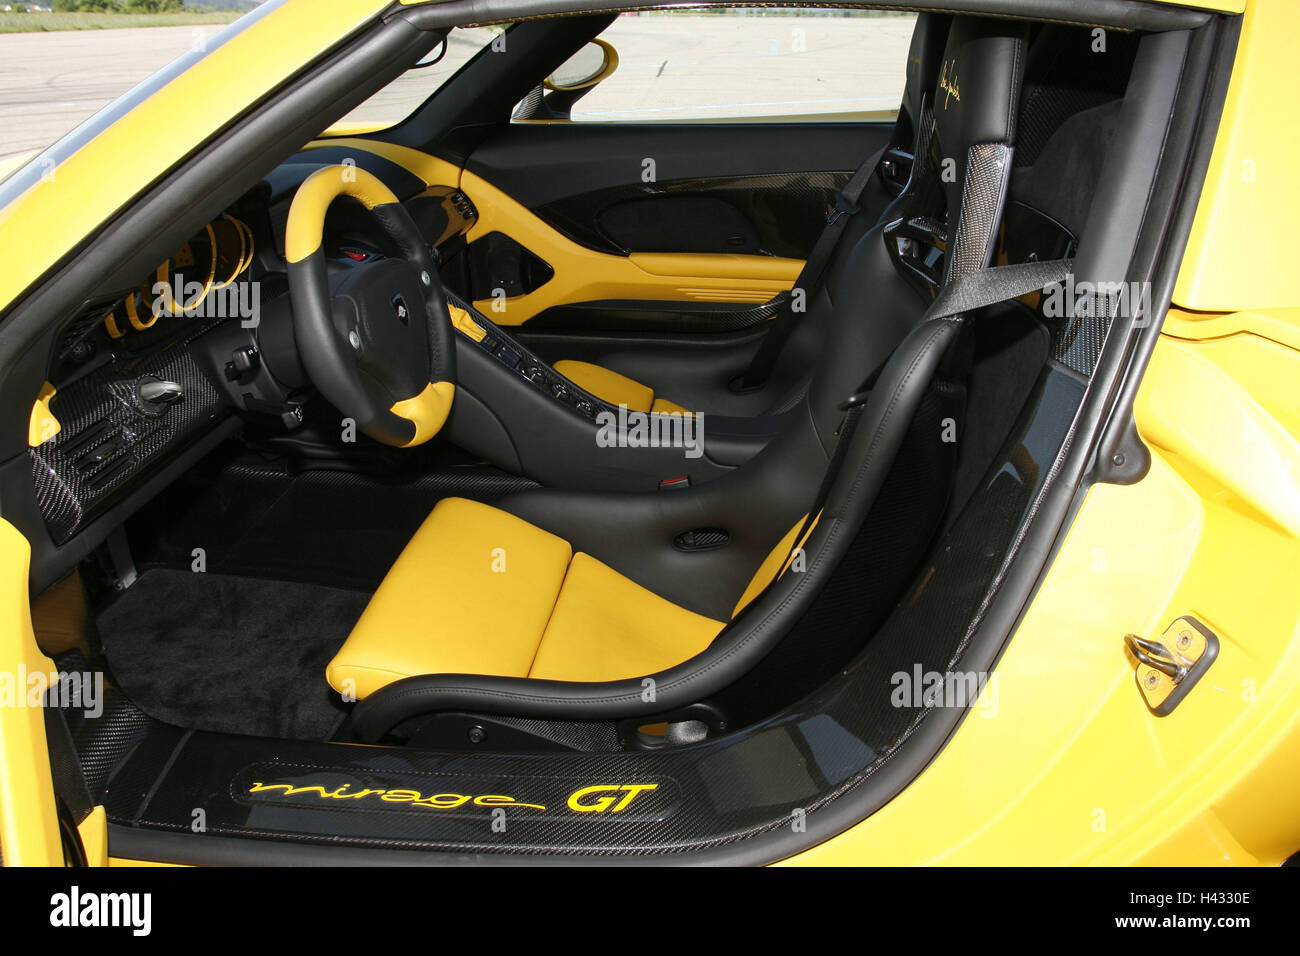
539, 164
620, 219
582, 274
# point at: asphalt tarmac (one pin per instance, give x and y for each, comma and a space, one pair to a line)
671, 68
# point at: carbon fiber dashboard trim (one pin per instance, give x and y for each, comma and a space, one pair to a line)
107, 437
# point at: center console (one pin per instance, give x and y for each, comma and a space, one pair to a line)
516, 411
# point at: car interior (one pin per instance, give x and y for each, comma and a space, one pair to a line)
465, 446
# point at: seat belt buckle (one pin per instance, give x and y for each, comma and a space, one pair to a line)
854, 400
675, 484
842, 208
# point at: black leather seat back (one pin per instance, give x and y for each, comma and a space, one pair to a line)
957, 192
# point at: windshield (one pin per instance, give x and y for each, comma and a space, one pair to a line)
400, 98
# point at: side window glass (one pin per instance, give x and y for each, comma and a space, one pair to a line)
748, 64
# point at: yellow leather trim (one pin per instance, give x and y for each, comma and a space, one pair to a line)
432, 170
585, 275
479, 591
470, 594
463, 321
607, 627
42, 425
775, 564
617, 389
354, 129
608, 385
428, 410
687, 264
306, 222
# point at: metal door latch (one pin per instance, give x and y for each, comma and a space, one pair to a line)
1168, 668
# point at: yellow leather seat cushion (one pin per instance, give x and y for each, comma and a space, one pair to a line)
607, 627
615, 388
775, 564
479, 591
470, 594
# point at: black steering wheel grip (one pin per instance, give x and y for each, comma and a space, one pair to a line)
402, 398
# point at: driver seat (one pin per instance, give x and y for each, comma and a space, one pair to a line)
581, 606
502, 597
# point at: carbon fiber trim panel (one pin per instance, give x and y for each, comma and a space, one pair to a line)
102, 742
108, 437
988, 166
1079, 342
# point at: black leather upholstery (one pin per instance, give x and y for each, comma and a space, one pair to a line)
979, 83
872, 315
744, 643
924, 56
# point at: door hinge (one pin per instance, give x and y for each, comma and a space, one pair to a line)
1168, 668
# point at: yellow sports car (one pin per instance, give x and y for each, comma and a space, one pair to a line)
515, 430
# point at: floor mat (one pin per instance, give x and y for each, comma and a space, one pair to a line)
230, 654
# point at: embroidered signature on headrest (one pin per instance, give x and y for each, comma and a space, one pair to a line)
948, 82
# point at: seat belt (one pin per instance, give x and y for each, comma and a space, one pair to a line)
975, 290
783, 323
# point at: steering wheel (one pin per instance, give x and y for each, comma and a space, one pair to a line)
377, 339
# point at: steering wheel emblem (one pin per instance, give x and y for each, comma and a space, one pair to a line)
400, 310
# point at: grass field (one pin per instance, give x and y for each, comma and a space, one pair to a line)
45, 22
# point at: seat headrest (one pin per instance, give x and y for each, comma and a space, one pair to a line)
929, 38
978, 89
975, 103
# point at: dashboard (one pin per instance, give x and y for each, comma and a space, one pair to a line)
144, 375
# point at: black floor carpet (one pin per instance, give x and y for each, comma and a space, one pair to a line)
323, 527
230, 654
